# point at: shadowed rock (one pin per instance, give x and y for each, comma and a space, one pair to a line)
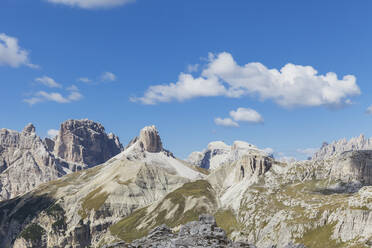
86, 142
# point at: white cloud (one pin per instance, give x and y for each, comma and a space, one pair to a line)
369, 110
187, 87
290, 86
53, 133
241, 114
84, 80
43, 96
48, 81
227, 122
307, 151
247, 115
92, 4
108, 77
11, 54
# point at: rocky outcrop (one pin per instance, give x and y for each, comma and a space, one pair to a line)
353, 166
334, 149
202, 233
87, 203
150, 140
25, 162
218, 153
85, 142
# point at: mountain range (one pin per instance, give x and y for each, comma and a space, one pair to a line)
83, 189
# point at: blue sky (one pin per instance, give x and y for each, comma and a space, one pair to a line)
229, 55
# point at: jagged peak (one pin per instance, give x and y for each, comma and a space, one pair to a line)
218, 145
238, 144
150, 140
29, 128
337, 147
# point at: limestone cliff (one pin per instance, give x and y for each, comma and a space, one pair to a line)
85, 142
26, 161
337, 147
218, 153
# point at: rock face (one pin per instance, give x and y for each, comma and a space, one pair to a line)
85, 142
353, 166
25, 162
337, 147
143, 198
218, 153
79, 209
150, 140
202, 233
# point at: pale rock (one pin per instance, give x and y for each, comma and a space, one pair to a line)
85, 142
219, 153
337, 147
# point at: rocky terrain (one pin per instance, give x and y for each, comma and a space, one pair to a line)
201, 233
85, 142
26, 161
218, 153
146, 197
337, 147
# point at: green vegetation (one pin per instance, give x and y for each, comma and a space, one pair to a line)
227, 221
320, 238
56, 210
32, 207
59, 225
33, 233
201, 170
93, 201
126, 229
58, 213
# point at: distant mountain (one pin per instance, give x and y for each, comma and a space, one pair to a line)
85, 142
26, 161
337, 147
90, 201
218, 153
256, 200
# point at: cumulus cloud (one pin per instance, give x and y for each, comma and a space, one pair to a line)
241, 114
369, 110
48, 81
92, 4
42, 96
53, 133
11, 54
290, 86
247, 115
186, 87
226, 122
108, 77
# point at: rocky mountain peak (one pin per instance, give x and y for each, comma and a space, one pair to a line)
150, 139
86, 142
29, 128
337, 147
218, 153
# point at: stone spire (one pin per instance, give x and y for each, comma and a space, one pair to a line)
150, 140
